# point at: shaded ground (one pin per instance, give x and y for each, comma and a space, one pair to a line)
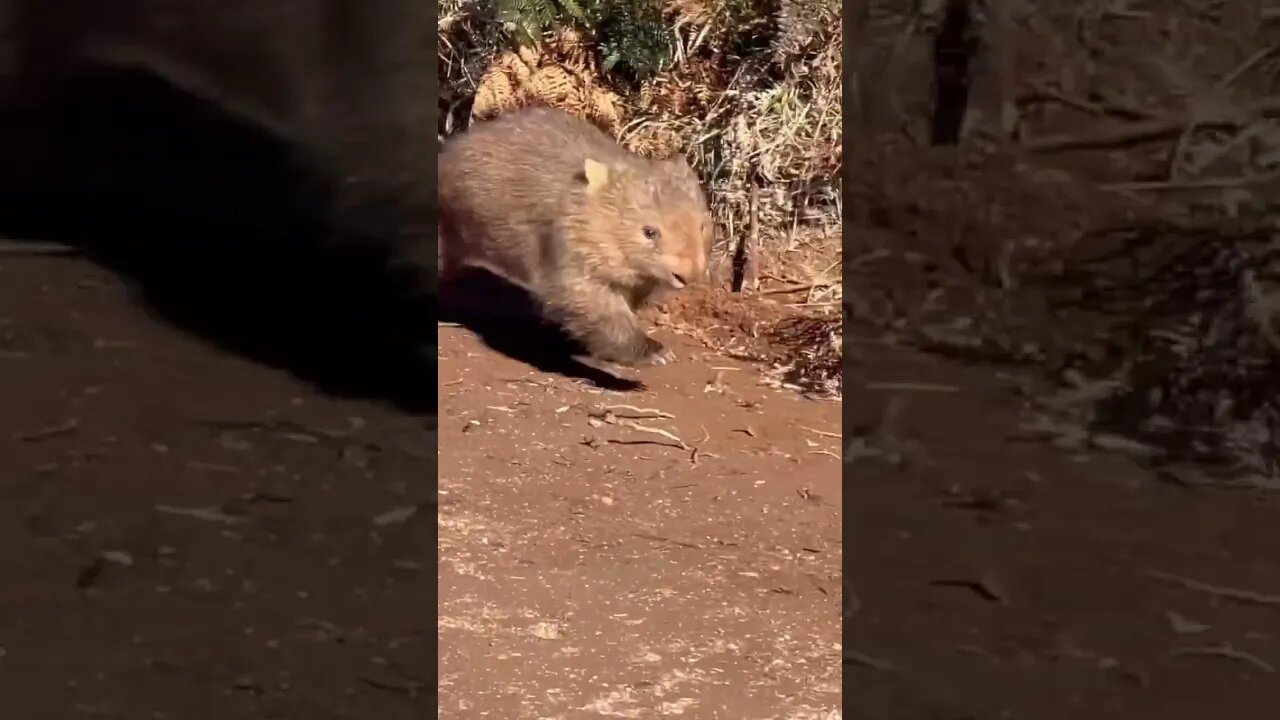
1003, 578
1051, 339
187, 534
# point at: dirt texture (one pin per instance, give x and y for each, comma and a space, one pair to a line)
192, 532
188, 533
661, 551
1060, 407
992, 576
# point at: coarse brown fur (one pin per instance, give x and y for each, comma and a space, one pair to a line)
593, 231
348, 84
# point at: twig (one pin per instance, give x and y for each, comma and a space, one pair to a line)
411, 688
1247, 65
825, 303
790, 288
656, 431
1104, 140
45, 433
1228, 593
291, 430
610, 418
696, 453
660, 538
1042, 93
651, 412
857, 657
866, 258
823, 433
1175, 161
1227, 651
1148, 131
208, 514
986, 587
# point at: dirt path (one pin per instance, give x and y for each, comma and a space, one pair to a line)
186, 533
588, 572
998, 578
189, 533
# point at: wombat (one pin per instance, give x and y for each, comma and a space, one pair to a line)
590, 229
348, 84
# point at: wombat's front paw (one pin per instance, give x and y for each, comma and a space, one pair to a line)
626, 344
655, 353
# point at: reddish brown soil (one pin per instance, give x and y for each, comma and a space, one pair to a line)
593, 569
188, 533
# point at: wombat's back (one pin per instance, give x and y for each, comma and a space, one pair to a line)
505, 182
527, 143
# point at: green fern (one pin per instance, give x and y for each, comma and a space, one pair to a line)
634, 39
574, 10
631, 37
526, 20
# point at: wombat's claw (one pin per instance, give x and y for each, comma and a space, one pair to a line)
660, 355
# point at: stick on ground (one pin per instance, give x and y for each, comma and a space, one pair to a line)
1227, 593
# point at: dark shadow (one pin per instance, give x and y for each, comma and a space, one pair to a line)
953, 50
219, 232
506, 319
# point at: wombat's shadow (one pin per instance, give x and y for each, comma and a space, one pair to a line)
506, 318
216, 229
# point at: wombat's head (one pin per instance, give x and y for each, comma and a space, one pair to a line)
656, 211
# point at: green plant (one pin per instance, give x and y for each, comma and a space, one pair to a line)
631, 38
525, 21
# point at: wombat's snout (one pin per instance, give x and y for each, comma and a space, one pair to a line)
685, 271
699, 270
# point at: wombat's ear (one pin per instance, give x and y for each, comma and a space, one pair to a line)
595, 174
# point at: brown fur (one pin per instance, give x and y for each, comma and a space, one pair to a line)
348, 83
552, 203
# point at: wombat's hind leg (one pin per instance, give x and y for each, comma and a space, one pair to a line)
601, 320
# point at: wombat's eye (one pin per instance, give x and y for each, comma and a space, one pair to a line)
650, 233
